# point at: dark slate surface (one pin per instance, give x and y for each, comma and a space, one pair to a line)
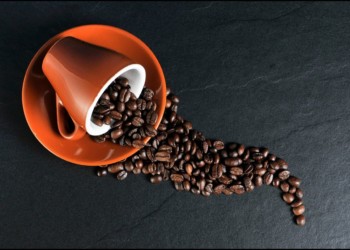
264, 74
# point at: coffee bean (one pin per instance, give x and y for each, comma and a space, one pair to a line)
101, 172
258, 181
294, 181
219, 145
216, 171
131, 105
137, 121
249, 186
276, 182
232, 162
147, 94
282, 163
237, 189
150, 131
236, 171
284, 175
292, 189
225, 180
300, 220
296, 203
122, 175
156, 179
257, 156
176, 177
195, 190
162, 156
299, 193
116, 133
260, 171
129, 166
99, 139
268, 178
299, 210
98, 122
219, 188
288, 198
115, 168
187, 185
138, 144
284, 186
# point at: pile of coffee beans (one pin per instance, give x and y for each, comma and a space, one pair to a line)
179, 153
131, 119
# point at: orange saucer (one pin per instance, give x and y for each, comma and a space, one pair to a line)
38, 97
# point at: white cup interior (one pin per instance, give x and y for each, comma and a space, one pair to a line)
136, 75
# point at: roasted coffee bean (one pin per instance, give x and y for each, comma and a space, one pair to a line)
216, 171
276, 182
101, 172
195, 190
296, 203
299, 193
284, 175
284, 187
137, 121
131, 105
129, 166
219, 145
249, 186
116, 133
147, 94
232, 162
225, 180
122, 81
260, 171
151, 117
122, 175
150, 131
219, 188
236, 171
156, 179
237, 189
136, 171
98, 122
300, 220
294, 181
299, 210
162, 156
176, 177
115, 168
268, 178
138, 144
288, 198
258, 181
187, 185
274, 165
282, 163
99, 139
257, 156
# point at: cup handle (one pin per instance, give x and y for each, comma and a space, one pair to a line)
67, 127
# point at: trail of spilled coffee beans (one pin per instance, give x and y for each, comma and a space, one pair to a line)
182, 154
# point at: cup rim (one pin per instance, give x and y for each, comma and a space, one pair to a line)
95, 130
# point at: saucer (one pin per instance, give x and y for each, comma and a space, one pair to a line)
38, 97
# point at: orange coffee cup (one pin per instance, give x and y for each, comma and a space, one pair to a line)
80, 72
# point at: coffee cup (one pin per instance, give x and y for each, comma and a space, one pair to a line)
80, 72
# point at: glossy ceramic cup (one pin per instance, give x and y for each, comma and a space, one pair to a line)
80, 72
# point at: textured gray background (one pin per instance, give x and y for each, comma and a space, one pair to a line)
264, 74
